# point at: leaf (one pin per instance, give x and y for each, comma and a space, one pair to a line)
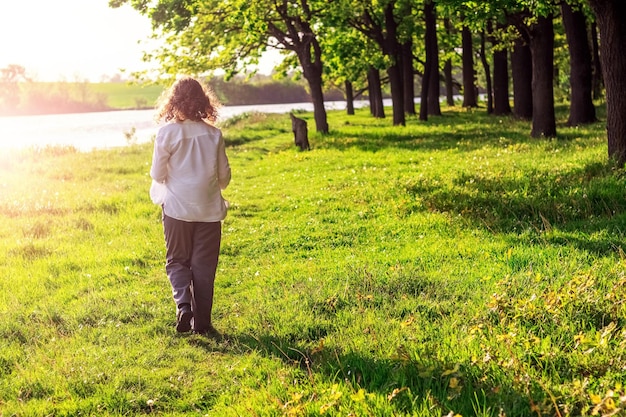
595, 399
451, 371
358, 396
609, 404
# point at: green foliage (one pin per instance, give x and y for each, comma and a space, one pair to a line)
453, 267
260, 90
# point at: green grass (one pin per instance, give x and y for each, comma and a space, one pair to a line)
450, 267
128, 96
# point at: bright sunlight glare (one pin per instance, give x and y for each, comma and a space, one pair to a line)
72, 39
77, 40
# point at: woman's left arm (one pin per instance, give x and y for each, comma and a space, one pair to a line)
160, 156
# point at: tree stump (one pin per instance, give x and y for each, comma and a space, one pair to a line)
300, 132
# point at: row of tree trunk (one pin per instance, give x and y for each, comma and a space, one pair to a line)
533, 91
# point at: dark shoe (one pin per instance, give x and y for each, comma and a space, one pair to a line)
183, 319
210, 332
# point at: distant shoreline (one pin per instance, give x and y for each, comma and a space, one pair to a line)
106, 129
44, 98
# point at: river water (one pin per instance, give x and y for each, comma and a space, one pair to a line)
100, 130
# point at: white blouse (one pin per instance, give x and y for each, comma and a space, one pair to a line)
189, 170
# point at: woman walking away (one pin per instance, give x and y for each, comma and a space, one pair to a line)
189, 170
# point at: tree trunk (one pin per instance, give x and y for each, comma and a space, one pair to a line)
397, 94
483, 58
310, 58
521, 61
447, 70
434, 107
375, 93
582, 110
542, 50
300, 132
469, 87
447, 74
394, 71
349, 98
424, 93
319, 111
408, 78
611, 15
597, 80
501, 104
432, 59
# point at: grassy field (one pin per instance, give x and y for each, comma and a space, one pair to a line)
128, 96
455, 267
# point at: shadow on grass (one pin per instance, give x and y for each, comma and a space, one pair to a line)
455, 130
581, 202
408, 384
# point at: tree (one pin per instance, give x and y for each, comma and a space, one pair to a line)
408, 77
431, 50
407, 28
205, 35
432, 57
533, 19
470, 98
501, 104
597, 81
611, 15
542, 51
351, 58
582, 110
447, 67
381, 23
347, 57
349, 98
483, 59
293, 29
10, 76
539, 34
521, 60
375, 93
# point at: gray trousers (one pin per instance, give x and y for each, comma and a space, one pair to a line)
191, 261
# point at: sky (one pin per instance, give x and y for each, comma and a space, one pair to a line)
73, 40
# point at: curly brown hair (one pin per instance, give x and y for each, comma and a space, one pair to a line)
188, 99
